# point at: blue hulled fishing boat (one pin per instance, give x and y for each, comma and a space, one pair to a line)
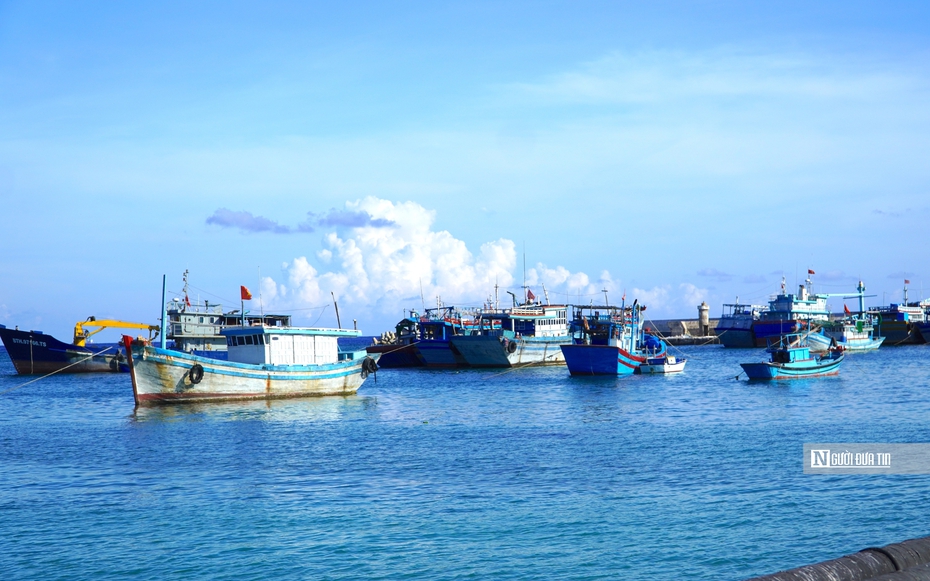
607, 340
434, 345
791, 358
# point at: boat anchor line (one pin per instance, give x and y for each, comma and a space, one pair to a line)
91, 356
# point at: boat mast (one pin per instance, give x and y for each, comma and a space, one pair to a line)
164, 312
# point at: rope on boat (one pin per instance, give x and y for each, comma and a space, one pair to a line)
91, 356
400, 347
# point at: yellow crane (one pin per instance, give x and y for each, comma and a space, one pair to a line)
81, 333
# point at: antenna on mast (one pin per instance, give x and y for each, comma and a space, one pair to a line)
606, 301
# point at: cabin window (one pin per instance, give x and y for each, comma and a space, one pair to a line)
248, 340
261, 339
201, 319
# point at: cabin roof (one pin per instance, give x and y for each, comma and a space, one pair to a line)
256, 329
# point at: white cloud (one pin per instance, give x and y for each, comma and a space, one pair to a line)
380, 269
691, 295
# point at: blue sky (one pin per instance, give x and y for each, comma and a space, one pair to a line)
676, 151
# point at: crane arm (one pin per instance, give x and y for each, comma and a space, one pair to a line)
81, 333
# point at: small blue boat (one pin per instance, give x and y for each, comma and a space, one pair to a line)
607, 340
791, 358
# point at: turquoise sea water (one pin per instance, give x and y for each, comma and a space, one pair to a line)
528, 474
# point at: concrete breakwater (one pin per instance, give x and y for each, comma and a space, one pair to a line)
905, 561
684, 331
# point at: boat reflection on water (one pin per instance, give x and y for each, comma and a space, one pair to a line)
288, 410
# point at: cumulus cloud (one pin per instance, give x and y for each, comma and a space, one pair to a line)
381, 254
245, 222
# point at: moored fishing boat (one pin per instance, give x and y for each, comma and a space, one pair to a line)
437, 327
398, 348
790, 313
665, 364
263, 363
531, 333
903, 324
658, 360
735, 326
606, 340
853, 332
791, 358
854, 335
35, 352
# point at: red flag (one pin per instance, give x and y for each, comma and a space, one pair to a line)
809, 271
907, 281
530, 296
187, 301
244, 293
846, 310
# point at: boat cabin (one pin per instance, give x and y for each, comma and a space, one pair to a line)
260, 345
526, 321
790, 348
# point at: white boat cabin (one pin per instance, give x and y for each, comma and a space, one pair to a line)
259, 345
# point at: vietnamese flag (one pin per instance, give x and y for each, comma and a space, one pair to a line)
809, 271
244, 293
846, 309
907, 281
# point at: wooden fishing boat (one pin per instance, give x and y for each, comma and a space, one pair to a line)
791, 358
263, 363
607, 340
529, 334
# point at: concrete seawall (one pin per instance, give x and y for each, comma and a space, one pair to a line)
684, 331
